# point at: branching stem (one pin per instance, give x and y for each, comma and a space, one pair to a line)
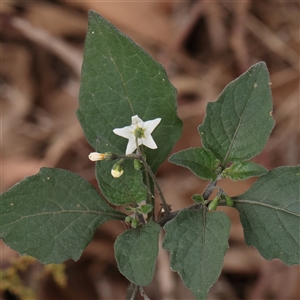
206, 194
168, 215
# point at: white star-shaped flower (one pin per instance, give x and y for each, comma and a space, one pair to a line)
140, 131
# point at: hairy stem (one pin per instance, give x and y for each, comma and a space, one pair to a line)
208, 191
132, 291
140, 155
150, 199
143, 294
162, 198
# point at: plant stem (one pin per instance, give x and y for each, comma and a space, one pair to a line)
132, 291
143, 294
141, 219
209, 189
140, 155
162, 198
150, 199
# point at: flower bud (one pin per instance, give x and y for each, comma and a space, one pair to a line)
95, 156
137, 164
117, 172
229, 201
117, 169
128, 219
134, 223
214, 204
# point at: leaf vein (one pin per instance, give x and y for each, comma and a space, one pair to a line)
251, 202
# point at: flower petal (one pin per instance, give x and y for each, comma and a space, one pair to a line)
149, 126
126, 132
136, 122
131, 146
149, 142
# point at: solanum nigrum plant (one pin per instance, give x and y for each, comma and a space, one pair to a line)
127, 109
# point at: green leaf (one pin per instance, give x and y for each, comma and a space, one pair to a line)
52, 215
145, 209
237, 126
270, 214
129, 188
244, 170
136, 252
198, 198
199, 160
197, 243
120, 80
